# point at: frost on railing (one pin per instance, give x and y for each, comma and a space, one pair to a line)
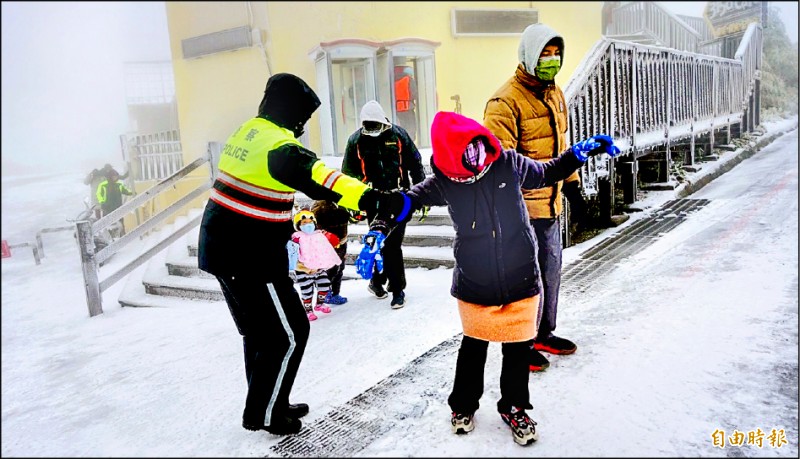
91, 259
657, 23
645, 95
155, 156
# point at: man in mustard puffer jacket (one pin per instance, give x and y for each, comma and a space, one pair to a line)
529, 114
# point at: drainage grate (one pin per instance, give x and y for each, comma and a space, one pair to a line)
351, 427
603, 258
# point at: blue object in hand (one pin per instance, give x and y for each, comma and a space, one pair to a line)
370, 255
293, 249
595, 145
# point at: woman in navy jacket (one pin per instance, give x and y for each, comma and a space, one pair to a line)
496, 276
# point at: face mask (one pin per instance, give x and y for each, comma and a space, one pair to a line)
475, 156
547, 67
307, 228
373, 128
298, 130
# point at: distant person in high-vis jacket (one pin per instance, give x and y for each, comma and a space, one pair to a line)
93, 180
110, 191
243, 235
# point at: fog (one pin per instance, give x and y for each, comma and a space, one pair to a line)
63, 94
63, 88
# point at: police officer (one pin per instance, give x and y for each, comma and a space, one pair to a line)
243, 235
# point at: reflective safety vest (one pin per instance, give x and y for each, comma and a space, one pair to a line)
402, 94
244, 184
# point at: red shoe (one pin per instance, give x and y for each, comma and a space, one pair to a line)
538, 362
556, 345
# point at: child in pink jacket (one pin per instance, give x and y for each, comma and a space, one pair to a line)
315, 255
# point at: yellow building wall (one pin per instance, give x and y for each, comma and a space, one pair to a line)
218, 92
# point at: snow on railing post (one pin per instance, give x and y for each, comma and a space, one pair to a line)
94, 298
213, 151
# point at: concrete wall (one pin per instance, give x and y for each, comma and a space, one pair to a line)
218, 92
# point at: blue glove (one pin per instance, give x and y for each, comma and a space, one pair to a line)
293, 249
392, 206
594, 145
370, 255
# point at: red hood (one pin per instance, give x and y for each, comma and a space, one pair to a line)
450, 134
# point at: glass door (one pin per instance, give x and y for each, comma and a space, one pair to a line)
353, 85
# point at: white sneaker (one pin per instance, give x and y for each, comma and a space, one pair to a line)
523, 427
462, 423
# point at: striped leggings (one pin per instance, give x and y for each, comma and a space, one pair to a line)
307, 282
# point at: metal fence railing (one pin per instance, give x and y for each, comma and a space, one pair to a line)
653, 20
154, 156
91, 260
647, 95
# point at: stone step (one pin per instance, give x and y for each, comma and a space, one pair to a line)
413, 257
173, 277
416, 236
436, 231
188, 268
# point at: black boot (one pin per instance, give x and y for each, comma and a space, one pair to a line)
281, 425
297, 411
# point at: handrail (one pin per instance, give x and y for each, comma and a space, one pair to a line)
90, 260
34, 249
749, 53
55, 229
644, 95
658, 22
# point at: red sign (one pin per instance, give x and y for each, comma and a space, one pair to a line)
6, 250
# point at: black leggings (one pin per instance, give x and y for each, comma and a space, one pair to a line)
468, 385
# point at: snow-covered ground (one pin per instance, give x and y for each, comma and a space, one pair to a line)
696, 333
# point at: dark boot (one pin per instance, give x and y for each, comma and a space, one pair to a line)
537, 361
281, 425
297, 411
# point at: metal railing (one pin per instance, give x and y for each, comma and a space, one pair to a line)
653, 20
154, 156
34, 249
90, 261
646, 95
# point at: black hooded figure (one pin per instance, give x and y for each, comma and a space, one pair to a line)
246, 225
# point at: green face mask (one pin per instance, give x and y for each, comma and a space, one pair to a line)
547, 67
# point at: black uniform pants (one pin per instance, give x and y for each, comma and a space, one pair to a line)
468, 385
394, 269
274, 329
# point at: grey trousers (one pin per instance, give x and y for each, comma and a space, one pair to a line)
548, 240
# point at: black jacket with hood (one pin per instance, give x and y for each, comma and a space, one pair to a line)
234, 244
388, 161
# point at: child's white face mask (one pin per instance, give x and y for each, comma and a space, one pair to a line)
307, 228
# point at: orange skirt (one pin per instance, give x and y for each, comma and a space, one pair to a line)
507, 323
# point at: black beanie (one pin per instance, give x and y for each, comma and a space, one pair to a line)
288, 101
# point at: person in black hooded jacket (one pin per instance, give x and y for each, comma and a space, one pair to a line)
246, 225
383, 155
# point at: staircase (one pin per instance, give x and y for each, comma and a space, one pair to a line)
172, 276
